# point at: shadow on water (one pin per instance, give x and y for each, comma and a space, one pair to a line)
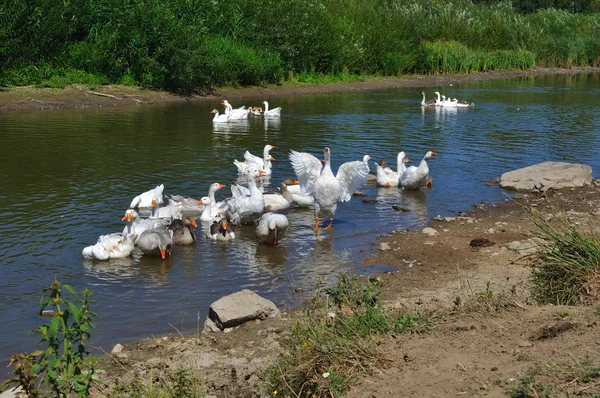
68, 177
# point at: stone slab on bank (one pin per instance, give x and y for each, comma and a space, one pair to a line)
547, 175
240, 307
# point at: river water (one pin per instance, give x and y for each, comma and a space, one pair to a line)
68, 176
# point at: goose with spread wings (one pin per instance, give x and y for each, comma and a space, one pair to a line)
328, 189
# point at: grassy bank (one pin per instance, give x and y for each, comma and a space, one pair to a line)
192, 45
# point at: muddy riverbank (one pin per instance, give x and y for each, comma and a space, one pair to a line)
80, 97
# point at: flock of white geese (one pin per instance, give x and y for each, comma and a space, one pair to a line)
171, 218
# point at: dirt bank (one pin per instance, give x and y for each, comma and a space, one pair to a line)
473, 349
78, 97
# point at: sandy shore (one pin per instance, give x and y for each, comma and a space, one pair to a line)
471, 350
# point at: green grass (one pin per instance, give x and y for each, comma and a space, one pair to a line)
336, 340
195, 45
178, 384
566, 268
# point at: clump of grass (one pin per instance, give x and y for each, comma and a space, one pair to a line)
180, 384
335, 340
409, 323
566, 268
488, 300
528, 387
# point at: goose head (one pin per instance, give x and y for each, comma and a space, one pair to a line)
130, 214
327, 154
215, 112
366, 158
403, 157
204, 201
429, 155
290, 181
189, 221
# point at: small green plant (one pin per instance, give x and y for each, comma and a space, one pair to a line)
598, 310
409, 323
180, 384
527, 387
65, 366
334, 340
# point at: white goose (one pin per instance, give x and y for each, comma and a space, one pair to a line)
272, 227
235, 114
328, 189
416, 177
169, 211
388, 177
242, 208
145, 199
219, 118
438, 100
275, 201
220, 230
117, 245
251, 160
188, 205
211, 207
135, 226
275, 112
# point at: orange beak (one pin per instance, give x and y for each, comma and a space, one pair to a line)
200, 202
213, 111
322, 161
224, 224
271, 158
194, 224
272, 146
163, 253
222, 185
432, 153
153, 202
296, 182
261, 173
127, 217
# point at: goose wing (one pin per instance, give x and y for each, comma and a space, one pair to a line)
351, 176
253, 159
307, 168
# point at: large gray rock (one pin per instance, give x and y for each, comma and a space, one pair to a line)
547, 175
240, 307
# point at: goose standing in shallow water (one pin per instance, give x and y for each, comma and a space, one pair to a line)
220, 230
416, 177
271, 228
328, 189
275, 112
243, 209
183, 231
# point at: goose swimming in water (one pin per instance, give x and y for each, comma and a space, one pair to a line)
272, 227
416, 177
220, 230
183, 231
